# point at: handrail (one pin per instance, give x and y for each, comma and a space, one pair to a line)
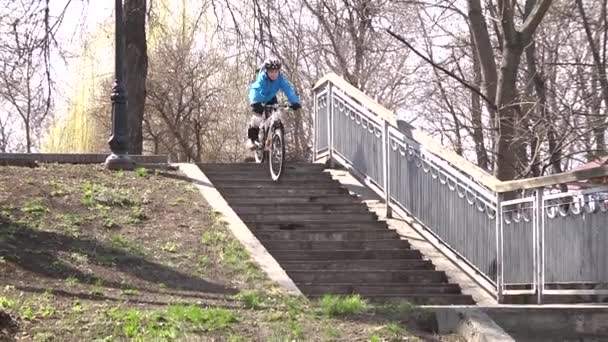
477, 173
550, 180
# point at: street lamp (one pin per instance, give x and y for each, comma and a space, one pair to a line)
119, 159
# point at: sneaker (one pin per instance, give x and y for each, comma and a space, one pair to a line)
250, 144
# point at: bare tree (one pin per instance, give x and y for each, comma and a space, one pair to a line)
27, 38
181, 94
24, 88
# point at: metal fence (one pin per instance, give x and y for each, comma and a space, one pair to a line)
542, 243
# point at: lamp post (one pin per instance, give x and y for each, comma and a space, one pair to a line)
119, 159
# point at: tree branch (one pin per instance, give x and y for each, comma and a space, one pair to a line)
447, 72
535, 17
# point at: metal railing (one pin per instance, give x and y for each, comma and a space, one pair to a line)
539, 244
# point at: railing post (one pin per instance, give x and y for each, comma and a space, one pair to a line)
315, 122
386, 168
330, 124
499, 249
539, 228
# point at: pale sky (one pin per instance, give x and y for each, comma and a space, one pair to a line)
82, 16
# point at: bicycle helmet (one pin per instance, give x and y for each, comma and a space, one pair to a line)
272, 63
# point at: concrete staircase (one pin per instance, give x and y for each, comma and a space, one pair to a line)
327, 240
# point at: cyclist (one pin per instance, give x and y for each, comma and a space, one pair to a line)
263, 91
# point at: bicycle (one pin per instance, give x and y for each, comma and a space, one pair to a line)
272, 134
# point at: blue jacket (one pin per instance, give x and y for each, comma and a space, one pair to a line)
263, 89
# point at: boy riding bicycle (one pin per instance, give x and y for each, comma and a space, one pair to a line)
263, 91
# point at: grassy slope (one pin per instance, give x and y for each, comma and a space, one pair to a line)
87, 254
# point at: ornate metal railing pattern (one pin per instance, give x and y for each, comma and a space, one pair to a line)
540, 243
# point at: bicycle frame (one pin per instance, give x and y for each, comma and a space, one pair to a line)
272, 116
271, 128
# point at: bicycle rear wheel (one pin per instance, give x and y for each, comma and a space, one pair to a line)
277, 153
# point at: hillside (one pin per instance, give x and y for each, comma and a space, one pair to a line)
87, 254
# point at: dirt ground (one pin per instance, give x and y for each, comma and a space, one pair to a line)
88, 254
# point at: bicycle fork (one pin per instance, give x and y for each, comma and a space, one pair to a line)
269, 138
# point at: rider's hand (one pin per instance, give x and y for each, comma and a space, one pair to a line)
296, 106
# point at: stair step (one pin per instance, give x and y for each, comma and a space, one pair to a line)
359, 265
261, 168
379, 276
267, 192
327, 235
418, 299
334, 245
300, 208
310, 217
326, 238
350, 254
378, 288
317, 225
222, 176
250, 182
287, 185
236, 199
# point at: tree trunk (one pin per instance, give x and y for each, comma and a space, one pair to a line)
484, 51
28, 137
506, 98
538, 85
599, 128
555, 147
137, 70
480, 146
514, 39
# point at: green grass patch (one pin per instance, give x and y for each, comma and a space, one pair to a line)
141, 172
72, 281
97, 289
130, 292
375, 338
170, 247
34, 211
336, 306
6, 303
392, 331
78, 308
202, 264
251, 299
6, 212
35, 207
213, 238
330, 332
169, 323
137, 214
34, 308
70, 224
287, 331
120, 242
94, 194
57, 189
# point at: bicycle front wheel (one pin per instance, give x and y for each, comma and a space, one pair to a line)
259, 155
277, 153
